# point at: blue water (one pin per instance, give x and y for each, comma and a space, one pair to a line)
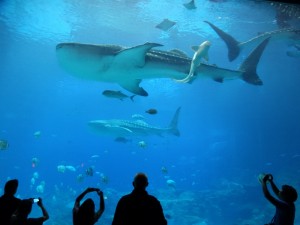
230, 132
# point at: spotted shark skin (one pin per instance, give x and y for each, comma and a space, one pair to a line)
235, 47
129, 66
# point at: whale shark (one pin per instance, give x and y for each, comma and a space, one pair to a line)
235, 47
133, 128
129, 66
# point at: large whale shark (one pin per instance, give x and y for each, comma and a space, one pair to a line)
235, 47
132, 128
129, 66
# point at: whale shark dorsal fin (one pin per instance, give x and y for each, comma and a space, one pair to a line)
134, 56
249, 65
133, 86
173, 124
178, 52
142, 122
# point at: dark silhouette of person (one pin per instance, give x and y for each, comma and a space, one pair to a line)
138, 207
8, 202
20, 216
285, 207
85, 214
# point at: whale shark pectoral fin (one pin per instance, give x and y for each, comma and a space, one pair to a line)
218, 79
135, 56
232, 44
133, 87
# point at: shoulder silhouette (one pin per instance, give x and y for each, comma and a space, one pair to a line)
138, 207
8, 202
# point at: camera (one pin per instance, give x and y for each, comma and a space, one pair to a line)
35, 200
261, 177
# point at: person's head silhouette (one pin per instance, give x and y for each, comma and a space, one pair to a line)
288, 194
11, 187
86, 212
140, 181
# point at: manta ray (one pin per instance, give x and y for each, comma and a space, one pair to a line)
133, 128
235, 47
129, 66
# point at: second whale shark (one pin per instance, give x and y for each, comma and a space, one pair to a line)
129, 66
133, 128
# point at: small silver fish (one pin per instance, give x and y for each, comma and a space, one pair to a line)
116, 94
151, 111
3, 144
122, 140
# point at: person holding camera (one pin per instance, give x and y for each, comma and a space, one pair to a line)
284, 203
20, 216
85, 214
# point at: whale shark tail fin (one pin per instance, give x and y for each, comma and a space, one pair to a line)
173, 125
250, 64
232, 44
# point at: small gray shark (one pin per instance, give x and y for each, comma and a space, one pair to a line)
201, 51
235, 47
133, 128
129, 66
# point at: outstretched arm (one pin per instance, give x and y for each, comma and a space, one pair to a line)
274, 187
45, 213
101, 207
266, 191
81, 196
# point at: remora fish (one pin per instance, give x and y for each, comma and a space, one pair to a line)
116, 94
235, 47
131, 128
128, 66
